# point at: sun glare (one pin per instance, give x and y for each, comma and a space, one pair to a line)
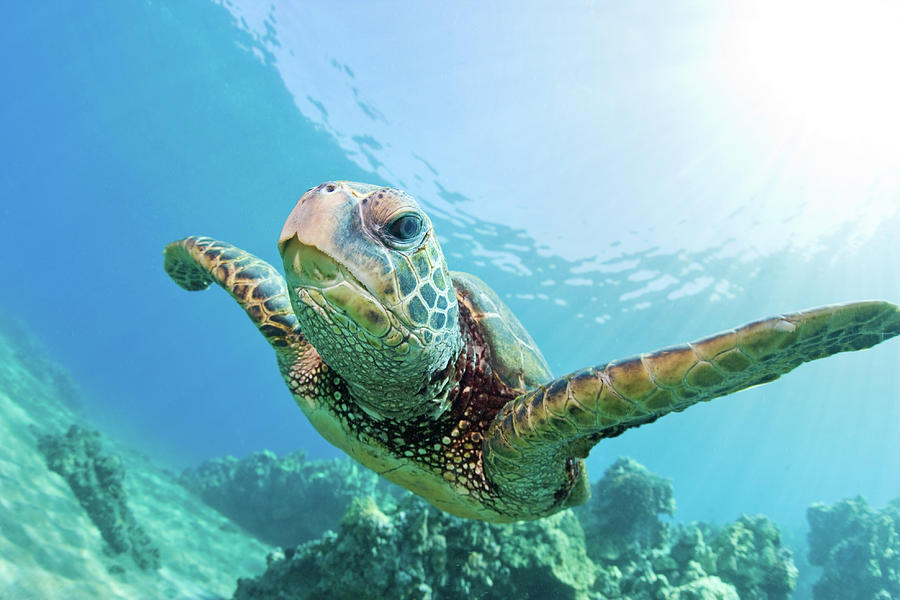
831, 69
819, 82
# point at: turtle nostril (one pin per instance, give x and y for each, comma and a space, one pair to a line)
329, 188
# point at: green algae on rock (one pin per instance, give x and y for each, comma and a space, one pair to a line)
284, 501
623, 530
411, 550
858, 549
750, 555
624, 510
96, 480
416, 551
743, 560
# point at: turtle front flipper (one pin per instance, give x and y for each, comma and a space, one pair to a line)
533, 447
196, 262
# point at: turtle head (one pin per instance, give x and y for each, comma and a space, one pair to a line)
371, 289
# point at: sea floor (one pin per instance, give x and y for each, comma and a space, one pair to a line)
49, 547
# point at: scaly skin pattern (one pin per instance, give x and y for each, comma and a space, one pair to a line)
195, 262
438, 387
534, 440
441, 458
380, 310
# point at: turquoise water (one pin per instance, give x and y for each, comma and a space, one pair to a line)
625, 177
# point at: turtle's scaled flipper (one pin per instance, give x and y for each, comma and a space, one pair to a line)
196, 262
543, 433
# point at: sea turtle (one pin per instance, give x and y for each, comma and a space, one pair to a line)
426, 377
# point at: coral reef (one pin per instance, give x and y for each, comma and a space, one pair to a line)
415, 551
615, 547
744, 559
653, 559
795, 538
624, 510
96, 480
750, 555
283, 501
858, 548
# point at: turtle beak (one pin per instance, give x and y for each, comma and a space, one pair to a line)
291, 227
326, 227
307, 238
319, 215
287, 234
314, 219
308, 266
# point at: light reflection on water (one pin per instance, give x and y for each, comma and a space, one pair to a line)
706, 164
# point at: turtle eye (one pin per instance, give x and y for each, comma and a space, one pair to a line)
405, 229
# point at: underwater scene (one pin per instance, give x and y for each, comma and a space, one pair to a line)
617, 179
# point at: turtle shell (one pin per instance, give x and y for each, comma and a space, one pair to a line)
515, 357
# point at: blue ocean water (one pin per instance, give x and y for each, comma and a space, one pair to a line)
625, 177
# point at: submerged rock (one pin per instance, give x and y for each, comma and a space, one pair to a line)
96, 480
654, 559
283, 501
415, 551
749, 554
740, 560
624, 509
411, 550
857, 547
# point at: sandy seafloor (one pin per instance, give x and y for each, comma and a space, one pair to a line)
49, 548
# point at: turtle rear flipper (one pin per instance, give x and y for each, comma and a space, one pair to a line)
196, 262
533, 448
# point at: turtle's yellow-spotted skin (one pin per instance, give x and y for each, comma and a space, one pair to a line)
426, 377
